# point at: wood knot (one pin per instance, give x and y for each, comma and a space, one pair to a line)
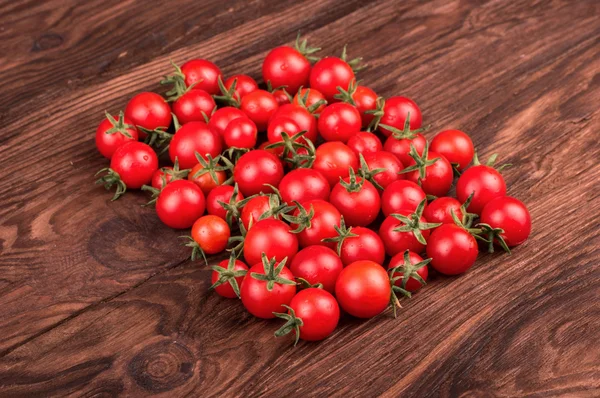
47, 41
162, 367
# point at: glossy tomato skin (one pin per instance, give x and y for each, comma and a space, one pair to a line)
221, 193
363, 289
452, 249
317, 264
333, 159
359, 208
259, 106
261, 302
256, 168
157, 180
339, 122
329, 73
191, 138
244, 85
454, 145
303, 185
211, 233
148, 110
401, 147
312, 97
319, 311
222, 117
107, 144
135, 162
205, 181
254, 209
303, 118
286, 66
281, 96
225, 289
322, 225
397, 242
438, 176
401, 195
180, 203
193, 105
395, 111
412, 285
366, 246
387, 161
365, 100
364, 142
203, 73
511, 215
279, 125
240, 133
485, 182
272, 237
440, 210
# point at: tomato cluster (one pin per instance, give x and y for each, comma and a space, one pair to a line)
292, 178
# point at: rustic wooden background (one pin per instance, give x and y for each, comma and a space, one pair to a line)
98, 298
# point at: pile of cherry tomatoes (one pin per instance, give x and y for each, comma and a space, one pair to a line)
326, 194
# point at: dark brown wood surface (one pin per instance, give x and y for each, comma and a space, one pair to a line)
98, 298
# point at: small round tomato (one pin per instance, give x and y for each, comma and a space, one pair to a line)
211, 234
264, 297
203, 74
260, 207
302, 185
222, 117
454, 145
255, 169
240, 133
203, 174
452, 249
228, 276
224, 194
357, 200
484, 182
279, 125
363, 289
148, 110
113, 133
432, 172
401, 195
244, 85
364, 142
271, 237
192, 138
313, 314
413, 233
180, 203
359, 243
363, 98
400, 147
317, 264
440, 210
281, 96
333, 160
395, 112
330, 73
259, 106
286, 66
309, 97
305, 120
193, 106
314, 221
411, 270
339, 122
510, 215
157, 177
389, 166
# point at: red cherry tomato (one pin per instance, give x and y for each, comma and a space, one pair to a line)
222, 117
303, 185
440, 210
221, 193
191, 138
317, 264
484, 182
157, 177
401, 195
286, 66
202, 176
339, 122
412, 283
244, 85
333, 160
438, 176
135, 163
211, 233
454, 145
398, 241
204, 74
257, 206
180, 203
113, 132
401, 147
510, 215
271, 237
148, 110
259, 106
364, 142
256, 168
329, 73
312, 230
452, 249
365, 100
303, 118
308, 97
395, 111
240, 133
358, 244
363, 289
278, 125
193, 106
357, 200
281, 96
389, 163
228, 276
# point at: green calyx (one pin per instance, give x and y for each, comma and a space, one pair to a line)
229, 274
283, 88
177, 80
118, 125
234, 153
303, 98
377, 114
276, 207
406, 133
467, 218
343, 234
302, 220
304, 284
366, 173
408, 271
175, 172
412, 223
292, 147
238, 241
160, 138
196, 249
304, 49
292, 323
346, 95
354, 63
112, 178
421, 162
229, 97
491, 235
353, 184
490, 162
211, 166
154, 193
233, 207
271, 275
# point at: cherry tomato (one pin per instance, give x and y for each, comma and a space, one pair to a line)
305, 120
339, 122
317, 264
157, 177
204, 74
221, 193
193, 106
268, 206
244, 85
191, 138
286, 66
180, 203
452, 249
414, 233
313, 314
211, 233
414, 269
440, 210
259, 106
365, 100
329, 73
364, 142
389, 165
357, 200
308, 97
454, 145
222, 117
228, 276
148, 110
113, 132
395, 112
484, 182
203, 175
264, 297
433, 173
358, 244
303, 185
401, 147
401, 195
281, 96
278, 125
363, 289
333, 160
510, 215
271, 237
314, 221
240, 133
256, 168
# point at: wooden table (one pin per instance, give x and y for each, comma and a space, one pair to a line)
99, 299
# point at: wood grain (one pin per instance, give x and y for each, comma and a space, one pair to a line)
98, 299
